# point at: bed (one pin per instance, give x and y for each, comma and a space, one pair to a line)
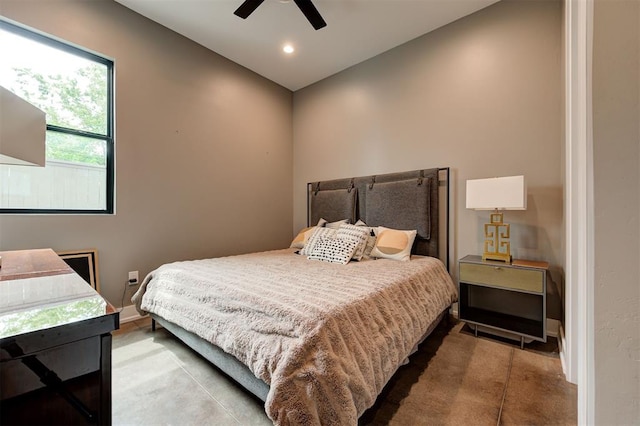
318, 340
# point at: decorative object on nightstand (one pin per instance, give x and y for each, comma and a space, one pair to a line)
510, 298
501, 193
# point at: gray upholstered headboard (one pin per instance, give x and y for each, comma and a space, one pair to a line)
405, 200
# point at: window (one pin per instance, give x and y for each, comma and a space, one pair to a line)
74, 88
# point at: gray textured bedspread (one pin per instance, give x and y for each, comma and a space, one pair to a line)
325, 337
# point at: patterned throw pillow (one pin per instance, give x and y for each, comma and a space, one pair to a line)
334, 250
314, 237
393, 244
371, 239
371, 243
334, 225
359, 234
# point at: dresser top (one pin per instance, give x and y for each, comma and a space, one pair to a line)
42, 293
18, 264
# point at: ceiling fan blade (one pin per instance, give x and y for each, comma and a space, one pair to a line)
247, 8
311, 13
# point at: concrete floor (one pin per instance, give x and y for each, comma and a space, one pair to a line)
454, 378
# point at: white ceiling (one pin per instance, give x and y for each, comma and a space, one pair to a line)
356, 30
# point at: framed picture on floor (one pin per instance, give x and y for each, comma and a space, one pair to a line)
85, 264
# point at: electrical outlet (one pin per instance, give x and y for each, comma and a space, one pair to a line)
133, 277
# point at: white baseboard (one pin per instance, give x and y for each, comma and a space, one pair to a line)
562, 348
128, 314
552, 327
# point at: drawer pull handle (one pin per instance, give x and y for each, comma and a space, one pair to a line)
497, 268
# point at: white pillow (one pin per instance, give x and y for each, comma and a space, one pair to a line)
333, 250
314, 237
393, 244
359, 234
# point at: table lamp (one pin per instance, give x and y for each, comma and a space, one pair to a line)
500, 193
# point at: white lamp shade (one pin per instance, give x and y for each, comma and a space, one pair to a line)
22, 131
501, 193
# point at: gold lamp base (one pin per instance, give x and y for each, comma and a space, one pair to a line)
496, 243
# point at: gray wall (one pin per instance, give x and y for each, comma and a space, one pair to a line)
482, 95
616, 154
203, 149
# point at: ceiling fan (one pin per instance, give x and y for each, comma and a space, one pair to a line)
305, 6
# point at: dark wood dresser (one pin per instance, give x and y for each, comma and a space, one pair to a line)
55, 343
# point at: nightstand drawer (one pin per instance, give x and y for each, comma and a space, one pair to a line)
507, 277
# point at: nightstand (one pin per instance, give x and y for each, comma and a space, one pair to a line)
508, 297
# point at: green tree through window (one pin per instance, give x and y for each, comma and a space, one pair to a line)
78, 101
74, 87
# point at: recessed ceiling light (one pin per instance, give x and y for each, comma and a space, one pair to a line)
287, 48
